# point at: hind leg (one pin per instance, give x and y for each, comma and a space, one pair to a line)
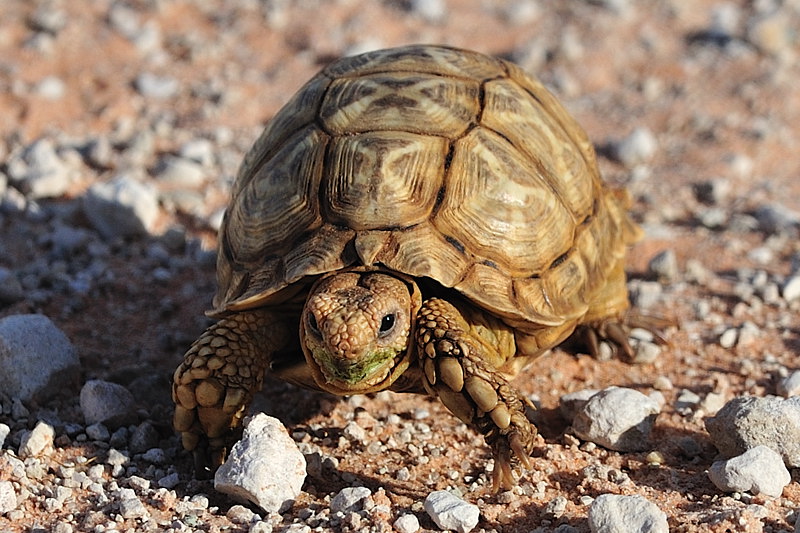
610, 320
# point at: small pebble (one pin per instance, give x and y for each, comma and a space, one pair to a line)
759, 470
179, 173
97, 432
239, 514
433, 11
407, 523
170, 481
4, 431
39, 171
350, 499
776, 219
38, 442
154, 86
664, 266
791, 289
614, 513
103, 401
637, 148
788, 386
144, 437
451, 512
618, 418
132, 507
8, 497
728, 338
11, 290
713, 191
122, 207
51, 88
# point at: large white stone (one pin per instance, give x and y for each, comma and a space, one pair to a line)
617, 418
36, 358
616, 513
265, 467
451, 512
759, 470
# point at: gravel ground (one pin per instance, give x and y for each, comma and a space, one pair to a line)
123, 124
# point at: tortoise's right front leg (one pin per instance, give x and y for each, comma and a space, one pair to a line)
220, 373
457, 367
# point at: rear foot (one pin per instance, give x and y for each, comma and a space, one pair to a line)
614, 337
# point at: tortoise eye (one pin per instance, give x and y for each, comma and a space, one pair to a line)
312, 324
387, 323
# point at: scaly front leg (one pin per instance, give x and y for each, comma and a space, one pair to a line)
455, 362
215, 384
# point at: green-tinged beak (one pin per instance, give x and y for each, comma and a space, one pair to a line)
354, 372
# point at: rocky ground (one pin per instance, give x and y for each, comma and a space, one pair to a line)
123, 125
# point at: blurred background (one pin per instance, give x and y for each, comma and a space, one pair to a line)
123, 122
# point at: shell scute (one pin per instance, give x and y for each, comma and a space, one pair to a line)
498, 204
437, 163
413, 102
383, 179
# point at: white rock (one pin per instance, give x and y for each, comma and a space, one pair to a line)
664, 265
170, 481
617, 418
759, 470
451, 512
791, 289
106, 402
38, 442
179, 173
265, 467
39, 171
51, 88
122, 207
571, 403
133, 508
614, 513
98, 432
433, 11
790, 385
198, 150
729, 337
8, 497
350, 499
36, 358
154, 86
4, 431
748, 421
637, 148
407, 523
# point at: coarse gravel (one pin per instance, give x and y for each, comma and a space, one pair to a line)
124, 124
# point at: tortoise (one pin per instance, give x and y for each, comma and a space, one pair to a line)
422, 219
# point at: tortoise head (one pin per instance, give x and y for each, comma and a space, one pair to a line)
356, 330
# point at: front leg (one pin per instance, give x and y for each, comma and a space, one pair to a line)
455, 362
215, 384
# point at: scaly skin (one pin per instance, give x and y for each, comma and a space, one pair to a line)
220, 373
360, 331
454, 361
348, 350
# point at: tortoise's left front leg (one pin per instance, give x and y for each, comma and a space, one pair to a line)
455, 362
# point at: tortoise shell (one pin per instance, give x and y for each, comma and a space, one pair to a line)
432, 162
